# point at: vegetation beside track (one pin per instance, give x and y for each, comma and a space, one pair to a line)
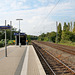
68, 44
65, 36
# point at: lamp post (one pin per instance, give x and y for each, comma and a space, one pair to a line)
56, 32
11, 30
19, 31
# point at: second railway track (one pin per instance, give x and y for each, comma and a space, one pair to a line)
51, 64
70, 50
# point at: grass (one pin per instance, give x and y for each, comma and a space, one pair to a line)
68, 44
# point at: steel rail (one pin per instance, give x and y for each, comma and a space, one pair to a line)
73, 72
62, 48
46, 63
70, 70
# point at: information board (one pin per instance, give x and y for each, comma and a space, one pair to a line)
18, 34
5, 27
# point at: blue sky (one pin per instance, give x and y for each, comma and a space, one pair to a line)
34, 12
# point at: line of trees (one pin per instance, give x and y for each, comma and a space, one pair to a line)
65, 34
31, 37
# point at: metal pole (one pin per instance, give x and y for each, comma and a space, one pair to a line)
56, 32
19, 31
19, 34
11, 30
5, 42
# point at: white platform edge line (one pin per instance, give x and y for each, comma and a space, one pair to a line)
25, 64
40, 67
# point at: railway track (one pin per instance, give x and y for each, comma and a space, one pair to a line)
70, 50
51, 64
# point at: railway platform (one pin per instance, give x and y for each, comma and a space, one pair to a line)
21, 61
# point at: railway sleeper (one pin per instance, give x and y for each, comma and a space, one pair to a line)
58, 71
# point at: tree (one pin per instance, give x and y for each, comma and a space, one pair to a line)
66, 35
28, 37
74, 28
41, 37
59, 32
45, 38
68, 27
52, 36
2, 35
65, 27
69, 36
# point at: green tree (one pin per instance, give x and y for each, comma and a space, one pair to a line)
59, 32
66, 35
68, 27
28, 38
45, 38
52, 36
74, 28
69, 36
2, 34
65, 27
41, 37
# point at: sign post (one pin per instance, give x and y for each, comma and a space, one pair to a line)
5, 27
5, 42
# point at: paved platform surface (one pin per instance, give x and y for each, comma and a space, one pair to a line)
21, 61
34, 65
8, 65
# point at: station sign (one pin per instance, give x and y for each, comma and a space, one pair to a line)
16, 34
5, 27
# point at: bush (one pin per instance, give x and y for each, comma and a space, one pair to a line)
1, 44
3, 41
45, 38
65, 41
11, 42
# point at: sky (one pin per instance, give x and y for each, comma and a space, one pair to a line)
39, 16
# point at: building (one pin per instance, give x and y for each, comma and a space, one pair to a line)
23, 37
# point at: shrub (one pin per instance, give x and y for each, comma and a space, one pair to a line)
1, 44
65, 41
11, 42
3, 41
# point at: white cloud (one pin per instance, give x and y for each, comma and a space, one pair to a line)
12, 5
18, 5
23, 0
32, 18
44, 1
